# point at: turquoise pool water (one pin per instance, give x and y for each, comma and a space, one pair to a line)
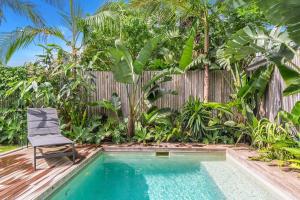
144, 176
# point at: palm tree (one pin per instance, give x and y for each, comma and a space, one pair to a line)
190, 12
73, 20
22, 37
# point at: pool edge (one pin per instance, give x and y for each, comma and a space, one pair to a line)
263, 176
68, 176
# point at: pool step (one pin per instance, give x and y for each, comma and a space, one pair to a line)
162, 153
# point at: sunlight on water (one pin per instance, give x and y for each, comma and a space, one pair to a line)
136, 176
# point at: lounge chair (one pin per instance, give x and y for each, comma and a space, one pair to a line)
43, 131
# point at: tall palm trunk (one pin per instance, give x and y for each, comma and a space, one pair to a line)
206, 66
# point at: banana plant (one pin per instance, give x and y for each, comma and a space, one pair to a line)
293, 116
278, 46
128, 71
278, 12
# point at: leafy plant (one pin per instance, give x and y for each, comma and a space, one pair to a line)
12, 126
195, 118
129, 71
112, 130
142, 134
274, 141
267, 133
113, 105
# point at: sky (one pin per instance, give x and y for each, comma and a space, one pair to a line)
52, 18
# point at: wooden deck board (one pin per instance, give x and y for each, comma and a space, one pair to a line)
18, 180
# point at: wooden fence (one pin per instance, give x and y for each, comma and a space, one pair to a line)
274, 100
186, 85
191, 84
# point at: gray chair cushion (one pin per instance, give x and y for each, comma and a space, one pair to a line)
48, 140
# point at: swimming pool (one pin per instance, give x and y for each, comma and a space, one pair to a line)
145, 176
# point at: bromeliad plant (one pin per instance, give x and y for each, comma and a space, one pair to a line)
128, 71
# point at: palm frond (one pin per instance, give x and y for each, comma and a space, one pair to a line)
10, 42
104, 19
201, 60
23, 8
165, 10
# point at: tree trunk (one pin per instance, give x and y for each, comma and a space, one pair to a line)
206, 83
130, 125
206, 66
131, 116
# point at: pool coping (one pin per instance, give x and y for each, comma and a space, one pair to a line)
67, 176
272, 181
250, 166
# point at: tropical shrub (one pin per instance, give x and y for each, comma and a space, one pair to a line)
275, 142
128, 71
195, 118
210, 122
158, 125
113, 131
12, 126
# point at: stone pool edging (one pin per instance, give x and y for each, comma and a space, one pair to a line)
267, 177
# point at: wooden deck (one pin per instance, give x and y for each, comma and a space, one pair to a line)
18, 180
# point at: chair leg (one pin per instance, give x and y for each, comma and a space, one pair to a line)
34, 158
73, 147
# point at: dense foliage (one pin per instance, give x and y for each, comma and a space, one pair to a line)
245, 37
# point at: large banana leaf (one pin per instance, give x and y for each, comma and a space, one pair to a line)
258, 82
144, 55
187, 54
152, 89
163, 76
122, 67
291, 78
293, 116
296, 109
156, 92
245, 42
276, 46
126, 70
279, 13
